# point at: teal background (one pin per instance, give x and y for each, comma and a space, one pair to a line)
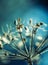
25, 9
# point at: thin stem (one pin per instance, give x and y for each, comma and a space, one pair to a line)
30, 62
11, 55
26, 50
31, 48
19, 51
41, 51
43, 43
16, 57
3, 30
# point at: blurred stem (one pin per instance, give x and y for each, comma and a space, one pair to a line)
26, 50
30, 62
31, 49
41, 51
43, 43
19, 51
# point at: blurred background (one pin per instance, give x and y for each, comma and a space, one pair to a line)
25, 9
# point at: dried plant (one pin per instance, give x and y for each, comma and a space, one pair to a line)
17, 36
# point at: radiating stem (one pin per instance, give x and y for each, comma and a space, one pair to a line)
31, 48
19, 51
42, 44
40, 52
30, 62
26, 50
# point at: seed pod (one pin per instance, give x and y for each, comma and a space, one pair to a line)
25, 28
21, 26
18, 27
30, 21
14, 22
37, 25
41, 23
18, 20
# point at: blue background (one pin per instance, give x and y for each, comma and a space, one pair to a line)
26, 9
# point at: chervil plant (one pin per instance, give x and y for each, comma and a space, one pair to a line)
22, 38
